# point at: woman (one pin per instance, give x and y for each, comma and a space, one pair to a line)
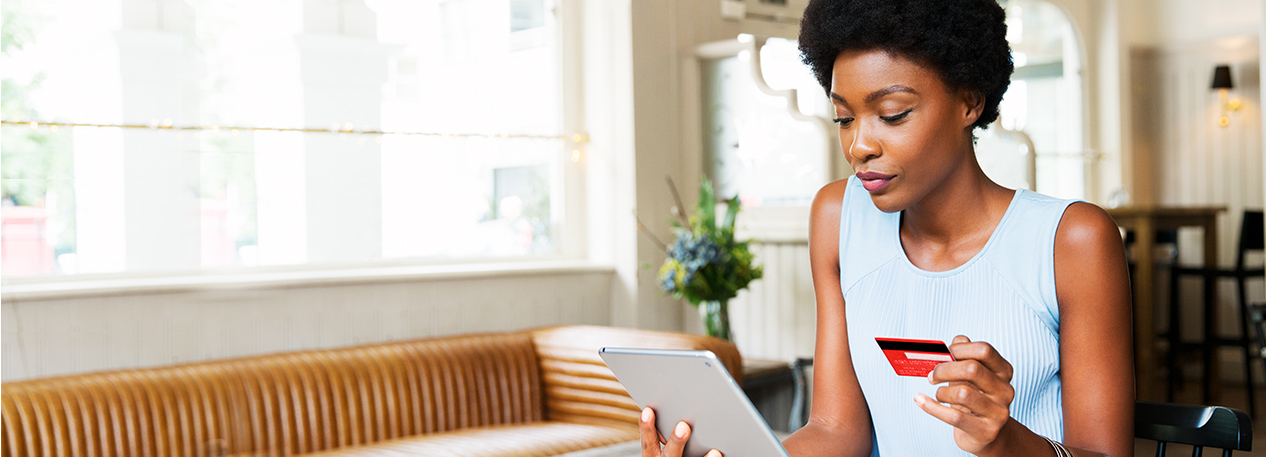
1030, 291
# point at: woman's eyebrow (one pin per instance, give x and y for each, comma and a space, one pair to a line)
888, 90
879, 93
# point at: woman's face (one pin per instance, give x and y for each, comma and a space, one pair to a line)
903, 131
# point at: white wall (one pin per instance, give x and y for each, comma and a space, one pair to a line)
1169, 22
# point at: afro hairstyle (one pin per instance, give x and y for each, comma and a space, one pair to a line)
963, 40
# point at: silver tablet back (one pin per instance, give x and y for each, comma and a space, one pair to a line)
695, 387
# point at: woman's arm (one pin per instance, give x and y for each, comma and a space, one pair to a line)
839, 421
1095, 330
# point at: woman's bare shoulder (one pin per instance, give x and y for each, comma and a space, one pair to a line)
1089, 259
829, 198
1086, 227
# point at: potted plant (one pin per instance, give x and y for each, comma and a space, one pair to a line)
705, 264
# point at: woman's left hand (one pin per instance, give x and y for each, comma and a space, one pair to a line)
977, 400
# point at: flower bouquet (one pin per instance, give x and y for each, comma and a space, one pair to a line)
705, 265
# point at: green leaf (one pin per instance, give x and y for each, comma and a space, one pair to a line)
707, 206
731, 214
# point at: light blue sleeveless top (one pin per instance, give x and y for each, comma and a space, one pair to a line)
1005, 296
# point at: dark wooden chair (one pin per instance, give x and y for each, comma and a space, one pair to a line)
1198, 426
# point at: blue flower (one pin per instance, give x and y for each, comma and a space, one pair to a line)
668, 280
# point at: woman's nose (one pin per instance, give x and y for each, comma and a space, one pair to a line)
863, 147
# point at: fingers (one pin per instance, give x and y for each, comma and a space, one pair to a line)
982, 430
966, 398
964, 349
975, 374
650, 437
677, 442
674, 446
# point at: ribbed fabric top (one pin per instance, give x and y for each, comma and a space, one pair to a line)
1004, 295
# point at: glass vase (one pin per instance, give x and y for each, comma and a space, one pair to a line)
716, 318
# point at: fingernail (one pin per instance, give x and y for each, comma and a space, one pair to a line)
920, 399
713, 453
680, 431
646, 414
930, 380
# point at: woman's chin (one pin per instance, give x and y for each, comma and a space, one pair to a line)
887, 202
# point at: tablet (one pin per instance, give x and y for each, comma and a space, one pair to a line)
694, 386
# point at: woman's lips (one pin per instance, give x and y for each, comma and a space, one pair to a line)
874, 182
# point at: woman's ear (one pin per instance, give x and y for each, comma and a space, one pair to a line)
974, 105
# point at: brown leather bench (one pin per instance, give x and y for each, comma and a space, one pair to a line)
534, 392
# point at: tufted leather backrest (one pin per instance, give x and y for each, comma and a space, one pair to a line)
289, 403
580, 388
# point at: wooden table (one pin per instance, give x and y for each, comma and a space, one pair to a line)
1144, 221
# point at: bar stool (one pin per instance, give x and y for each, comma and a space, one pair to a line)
1251, 240
1167, 239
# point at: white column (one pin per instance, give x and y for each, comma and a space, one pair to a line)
160, 179
343, 68
100, 244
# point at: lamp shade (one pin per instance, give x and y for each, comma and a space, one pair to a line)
1222, 77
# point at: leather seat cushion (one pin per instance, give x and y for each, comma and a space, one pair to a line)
535, 439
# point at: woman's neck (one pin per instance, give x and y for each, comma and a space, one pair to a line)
965, 208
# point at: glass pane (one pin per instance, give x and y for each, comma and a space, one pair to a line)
240, 133
753, 146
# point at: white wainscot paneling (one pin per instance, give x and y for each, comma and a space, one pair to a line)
775, 317
56, 336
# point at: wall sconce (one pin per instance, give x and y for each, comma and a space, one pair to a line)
1222, 82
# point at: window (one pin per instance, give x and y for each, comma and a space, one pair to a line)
754, 146
177, 136
1045, 97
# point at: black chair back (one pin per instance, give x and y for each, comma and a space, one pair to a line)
1252, 236
1199, 426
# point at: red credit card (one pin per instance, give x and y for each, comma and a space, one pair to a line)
914, 357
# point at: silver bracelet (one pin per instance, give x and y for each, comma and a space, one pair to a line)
1060, 449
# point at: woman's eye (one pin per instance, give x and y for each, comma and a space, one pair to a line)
844, 121
896, 118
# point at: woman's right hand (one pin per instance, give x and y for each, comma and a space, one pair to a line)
671, 447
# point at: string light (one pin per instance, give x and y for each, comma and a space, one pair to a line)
341, 129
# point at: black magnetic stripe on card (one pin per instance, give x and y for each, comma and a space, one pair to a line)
938, 348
